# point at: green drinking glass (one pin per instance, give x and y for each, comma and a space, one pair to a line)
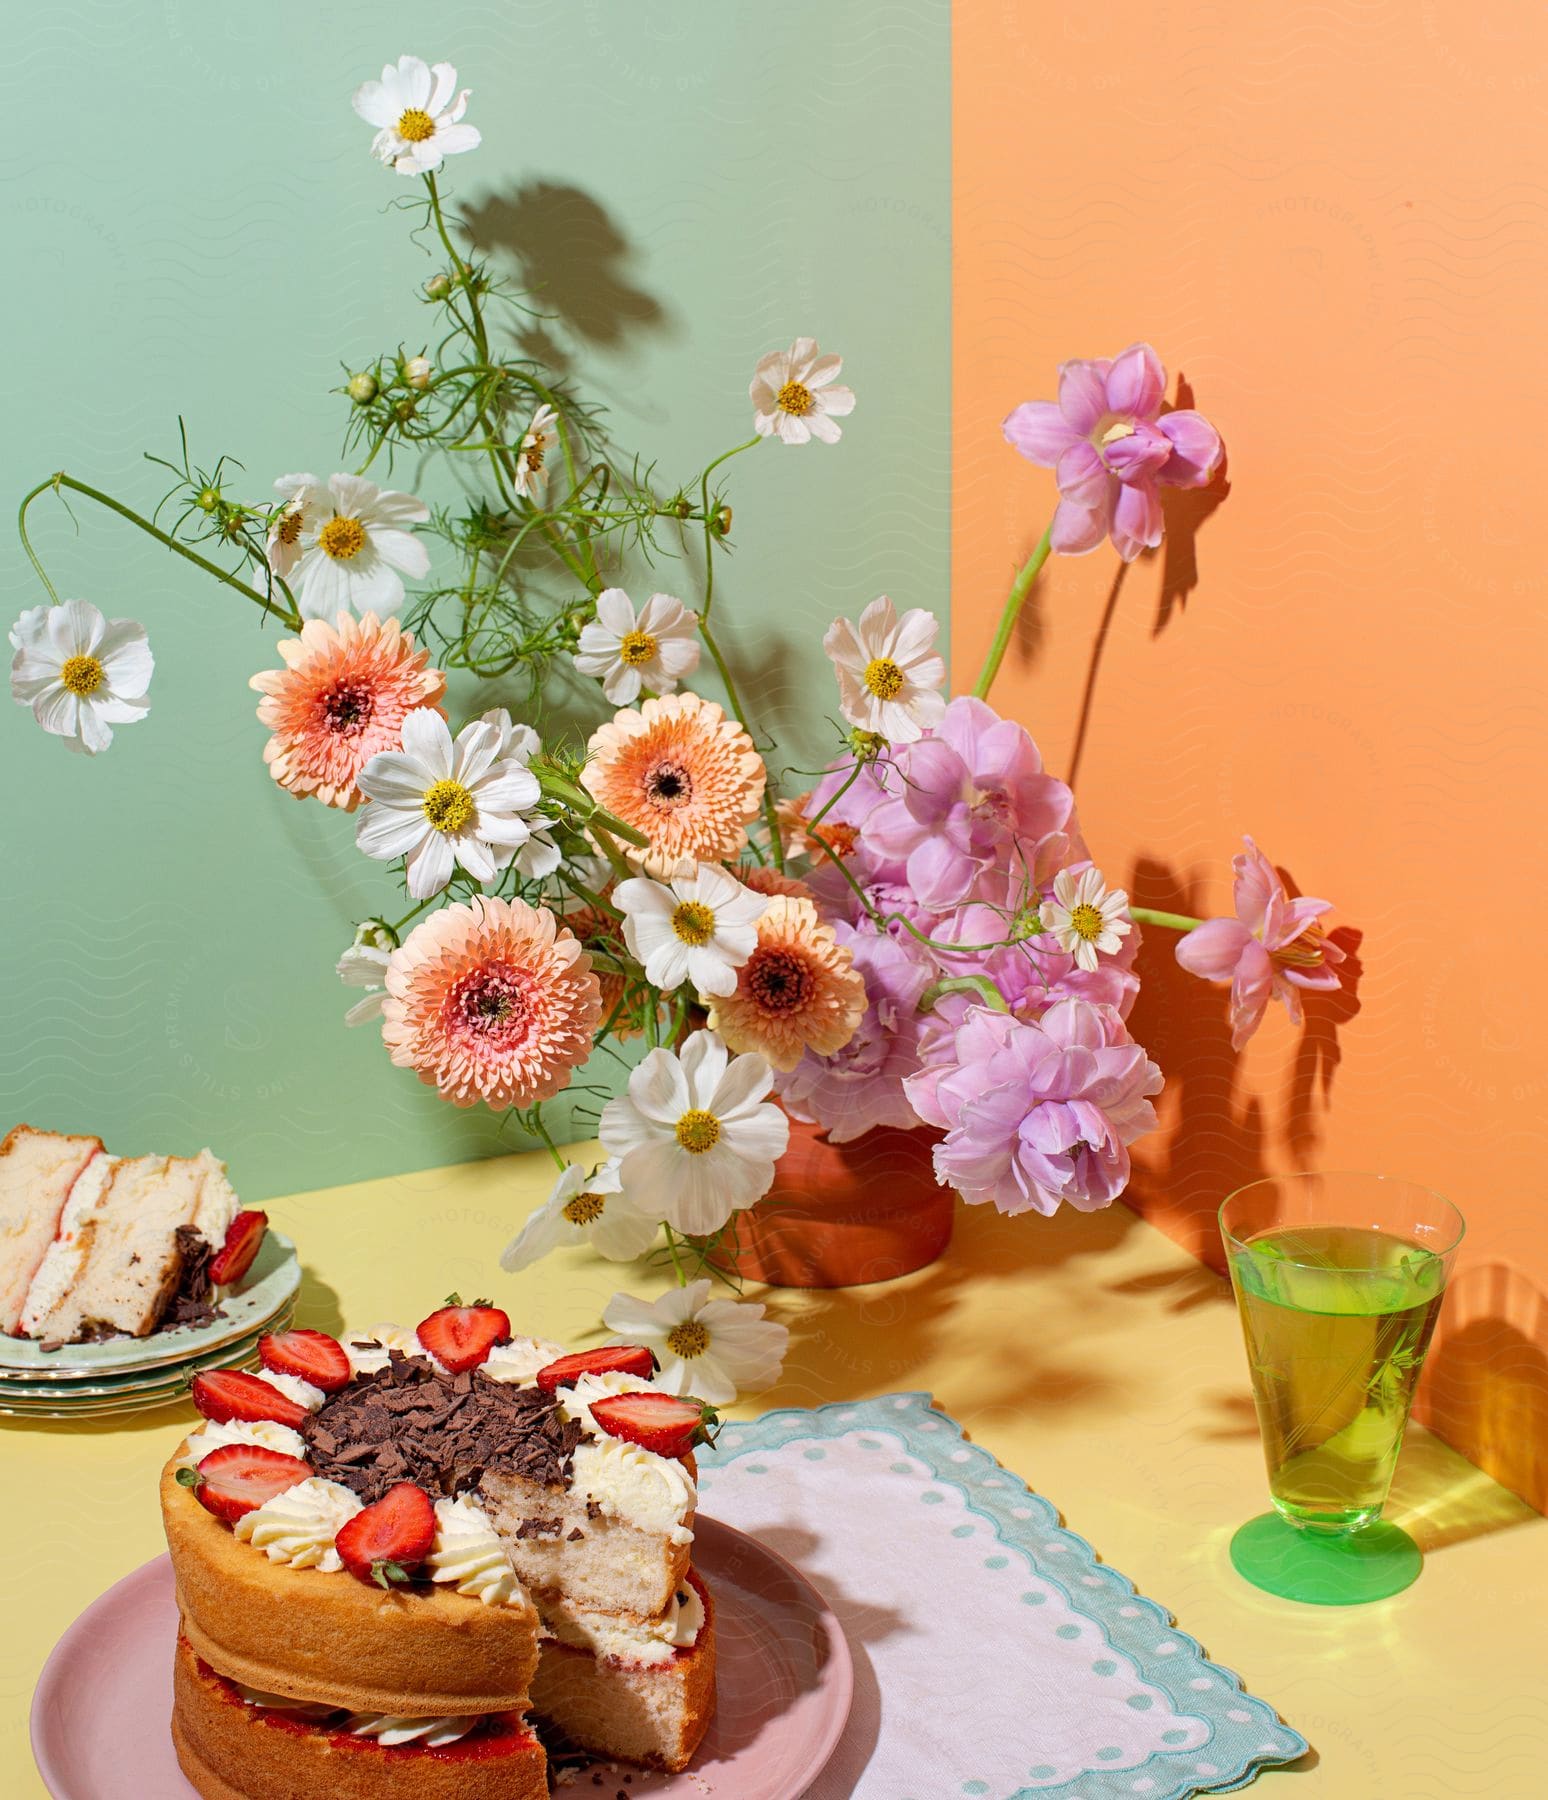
1339, 1280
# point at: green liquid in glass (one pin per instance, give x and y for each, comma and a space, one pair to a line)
1337, 1320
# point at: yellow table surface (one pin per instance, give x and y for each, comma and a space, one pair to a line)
1089, 1354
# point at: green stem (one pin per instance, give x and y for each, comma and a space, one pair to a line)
770, 816
60, 480
709, 523
677, 1261
1020, 587
1146, 915
574, 796
964, 984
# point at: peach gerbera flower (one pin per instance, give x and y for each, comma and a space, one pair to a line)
764, 878
341, 698
798, 991
491, 1001
681, 772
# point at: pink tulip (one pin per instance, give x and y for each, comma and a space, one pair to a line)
1112, 449
1272, 949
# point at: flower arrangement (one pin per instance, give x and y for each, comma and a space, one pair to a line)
922, 939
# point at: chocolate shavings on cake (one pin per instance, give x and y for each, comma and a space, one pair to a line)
193, 1302
414, 1422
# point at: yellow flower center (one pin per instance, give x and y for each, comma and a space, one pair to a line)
415, 125
1086, 922
694, 923
884, 678
698, 1131
795, 397
448, 805
688, 1340
342, 538
1114, 433
585, 1209
82, 675
637, 649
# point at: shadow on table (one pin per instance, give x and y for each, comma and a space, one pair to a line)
1440, 1498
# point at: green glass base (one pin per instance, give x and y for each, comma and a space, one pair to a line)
1325, 1571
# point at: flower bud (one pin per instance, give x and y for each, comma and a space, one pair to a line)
720, 521
866, 746
208, 499
438, 287
362, 388
404, 408
375, 934
416, 372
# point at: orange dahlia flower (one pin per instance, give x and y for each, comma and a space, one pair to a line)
798, 991
682, 773
491, 1001
341, 698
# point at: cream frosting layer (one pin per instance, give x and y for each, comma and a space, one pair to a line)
298, 1527
614, 1639
467, 1552
62, 1260
519, 1360
629, 1483
386, 1728
268, 1434
294, 1388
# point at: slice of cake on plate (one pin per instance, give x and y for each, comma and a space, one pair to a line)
95, 1246
352, 1575
38, 1170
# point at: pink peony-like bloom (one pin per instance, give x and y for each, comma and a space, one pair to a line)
1038, 1113
1273, 948
492, 1001
861, 1085
962, 799
1111, 449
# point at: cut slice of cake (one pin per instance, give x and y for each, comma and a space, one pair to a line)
130, 1260
38, 1170
643, 1693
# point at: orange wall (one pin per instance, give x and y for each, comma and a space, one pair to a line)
1333, 224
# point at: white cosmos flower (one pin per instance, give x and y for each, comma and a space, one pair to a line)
889, 675
711, 1349
536, 859
794, 398
627, 653
80, 673
700, 927
1084, 917
538, 439
584, 1209
351, 546
694, 1140
418, 112
439, 803
364, 965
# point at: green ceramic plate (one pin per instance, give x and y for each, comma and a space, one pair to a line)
268, 1285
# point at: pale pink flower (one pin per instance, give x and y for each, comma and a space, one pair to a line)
1112, 448
1038, 1113
1274, 947
492, 1001
890, 675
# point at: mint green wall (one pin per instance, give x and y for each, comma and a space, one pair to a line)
192, 222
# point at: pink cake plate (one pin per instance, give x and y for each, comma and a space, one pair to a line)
100, 1714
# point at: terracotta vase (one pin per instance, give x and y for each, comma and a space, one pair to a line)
841, 1215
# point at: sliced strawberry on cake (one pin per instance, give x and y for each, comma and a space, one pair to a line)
310, 1356
226, 1394
611, 1359
661, 1423
239, 1478
386, 1542
243, 1240
460, 1337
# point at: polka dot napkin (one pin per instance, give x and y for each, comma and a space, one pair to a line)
994, 1655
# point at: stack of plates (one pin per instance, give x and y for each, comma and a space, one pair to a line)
127, 1374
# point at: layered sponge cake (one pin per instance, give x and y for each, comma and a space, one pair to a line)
95, 1246
404, 1559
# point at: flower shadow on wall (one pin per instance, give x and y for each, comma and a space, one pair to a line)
1185, 510
576, 263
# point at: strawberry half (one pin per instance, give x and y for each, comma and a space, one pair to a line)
659, 1422
382, 1543
234, 1258
312, 1355
461, 1337
611, 1359
237, 1478
224, 1394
